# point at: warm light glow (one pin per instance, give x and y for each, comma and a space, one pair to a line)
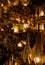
16, 29
2, 29
25, 26
13, 3
2, 5
12, 57
41, 27
18, 19
8, 1
30, 55
5, 8
24, 30
24, 42
29, 58
16, 63
37, 59
36, 15
41, 13
36, 27
23, 21
19, 44
28, 21
25, 4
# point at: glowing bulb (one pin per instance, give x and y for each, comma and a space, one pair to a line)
19, 44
